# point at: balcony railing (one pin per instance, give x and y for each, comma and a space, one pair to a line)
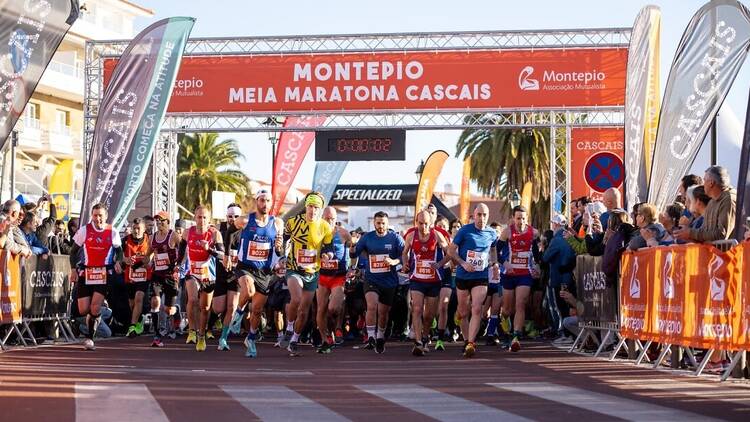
66, 69
61, 130
32, 123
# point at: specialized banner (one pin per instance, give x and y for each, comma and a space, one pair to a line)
708, 58
130, 116
30, 32
689, 295
10, 288
326, 177
409, 80
46, 288
293, 147
641, 103
464, 199
599, 299
596, 161
427, 180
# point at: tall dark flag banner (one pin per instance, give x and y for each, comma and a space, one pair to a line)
708, 58
32, 31
743, 182
641, 103
130, 117
326, 177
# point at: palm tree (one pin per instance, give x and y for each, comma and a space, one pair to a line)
206, 164
505, 159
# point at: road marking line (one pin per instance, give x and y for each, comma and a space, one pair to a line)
600, 403
117, 402
438, 405
279, 404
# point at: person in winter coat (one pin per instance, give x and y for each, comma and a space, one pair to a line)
562, 260
651, 233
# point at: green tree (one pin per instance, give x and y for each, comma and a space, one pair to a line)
207, 164
505, 159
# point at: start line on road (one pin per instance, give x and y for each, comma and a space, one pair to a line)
125, 378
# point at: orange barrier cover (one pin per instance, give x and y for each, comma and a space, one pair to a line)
10, 288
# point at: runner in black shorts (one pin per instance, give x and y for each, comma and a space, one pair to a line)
164, 249
137, 252
226, 292
102, 249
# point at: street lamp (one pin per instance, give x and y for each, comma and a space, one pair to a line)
515, 198
272, 122
420, 170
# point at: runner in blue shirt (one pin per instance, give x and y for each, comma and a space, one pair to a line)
474, 250
383, 248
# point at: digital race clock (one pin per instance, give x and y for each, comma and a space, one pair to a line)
360, 145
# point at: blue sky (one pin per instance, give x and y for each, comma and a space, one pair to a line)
225, 18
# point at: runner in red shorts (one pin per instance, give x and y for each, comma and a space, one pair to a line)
330, 293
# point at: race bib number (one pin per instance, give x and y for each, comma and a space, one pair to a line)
306, 258
378, 264
96, 276
138, 275
199, 270
332, 264
424, 270
258, 251
520, 260
161, 262
477, 259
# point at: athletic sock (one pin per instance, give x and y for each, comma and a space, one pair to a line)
155, 322
93, 325
371, 331
251, 334
290, 326
441, 334
224, 332
381, 332
492, 325
295, 337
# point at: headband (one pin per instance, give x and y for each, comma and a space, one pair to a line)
261, 193
236, 211
314, 199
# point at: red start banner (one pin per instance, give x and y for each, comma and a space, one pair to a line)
596, 161
438, 80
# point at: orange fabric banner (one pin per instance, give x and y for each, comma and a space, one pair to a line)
10, 288
689, 295
596, 160
465, 198
430, 173
442, 80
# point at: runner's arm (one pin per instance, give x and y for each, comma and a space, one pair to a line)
444, 245
407, 248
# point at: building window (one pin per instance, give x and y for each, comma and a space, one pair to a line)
31, 116
62, 121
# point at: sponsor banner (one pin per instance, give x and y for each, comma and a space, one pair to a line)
62, 205
326, 176
428, 179
599, 299
353, 195
641, 103
46, 288
709, 56
30, 32
596, 161
465, 198
130, 117
10, 288
293, 147
689, 295
442, 80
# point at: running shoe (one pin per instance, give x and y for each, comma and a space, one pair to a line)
380, 345
131, 331
157, 343
439, 345
325, 348
209, 335
370, 343
339, 337
218, 325
470, 349
172, 335
505, 325
292, 349
223, 345
192, 337
491, 341
251, 351
139, 328
88, 344
201, 344
236, 324
417, 350
515, 345
284, 342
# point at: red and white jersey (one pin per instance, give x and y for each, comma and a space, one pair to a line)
521, 259
201, 264
424, 255
98, 245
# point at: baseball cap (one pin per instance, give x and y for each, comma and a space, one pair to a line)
559, 219
163, 215
261, 193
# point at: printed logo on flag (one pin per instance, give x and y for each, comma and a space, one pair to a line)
525, 82
718, 285
635, 284
668, 280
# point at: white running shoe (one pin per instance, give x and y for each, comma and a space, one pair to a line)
88, 344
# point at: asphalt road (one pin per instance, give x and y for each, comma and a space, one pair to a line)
126, 380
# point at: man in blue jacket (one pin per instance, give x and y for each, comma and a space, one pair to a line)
29, 226
562, 260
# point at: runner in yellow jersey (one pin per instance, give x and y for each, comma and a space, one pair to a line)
310, 239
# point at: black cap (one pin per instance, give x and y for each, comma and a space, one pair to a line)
180, 224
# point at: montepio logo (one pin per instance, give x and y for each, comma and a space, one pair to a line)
553, 80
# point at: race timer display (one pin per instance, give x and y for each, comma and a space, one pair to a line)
358, 145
